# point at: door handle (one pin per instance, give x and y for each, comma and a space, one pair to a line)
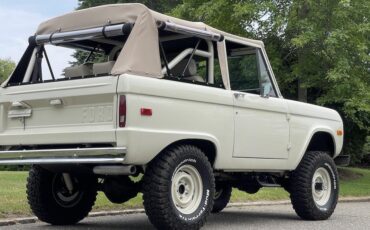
239, 95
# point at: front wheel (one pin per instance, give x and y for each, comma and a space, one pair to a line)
53, 202
178, 189
314, 186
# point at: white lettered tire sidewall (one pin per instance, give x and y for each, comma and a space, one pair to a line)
303, 184
333, 190
207, 191
159, 178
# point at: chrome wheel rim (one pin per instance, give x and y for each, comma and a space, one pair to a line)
321, 187
187, 189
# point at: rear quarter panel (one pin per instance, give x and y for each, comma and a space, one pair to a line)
180, 111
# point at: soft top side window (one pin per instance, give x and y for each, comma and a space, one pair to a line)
248, 71
189, 59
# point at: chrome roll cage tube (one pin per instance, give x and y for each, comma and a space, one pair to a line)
201, 53
208, 36
85, 34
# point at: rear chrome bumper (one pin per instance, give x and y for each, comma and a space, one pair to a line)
106, 155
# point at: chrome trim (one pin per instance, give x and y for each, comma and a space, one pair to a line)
112, 155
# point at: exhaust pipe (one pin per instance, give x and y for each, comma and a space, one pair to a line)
115, 170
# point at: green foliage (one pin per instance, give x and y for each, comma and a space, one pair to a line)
81, 55
243, 72
367, 146
6, 68
14, 168
331, 39
324, 44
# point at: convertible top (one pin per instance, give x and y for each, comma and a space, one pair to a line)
144, 35
120, 13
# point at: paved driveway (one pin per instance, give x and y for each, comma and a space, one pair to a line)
348, 216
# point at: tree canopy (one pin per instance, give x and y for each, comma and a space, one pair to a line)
6, 68
319, 49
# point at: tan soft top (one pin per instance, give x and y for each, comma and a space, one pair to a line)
114, 14
144, 36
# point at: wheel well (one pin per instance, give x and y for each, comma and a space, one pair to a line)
206, 146
322, 141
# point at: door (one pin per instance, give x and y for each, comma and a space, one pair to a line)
261, 127
260, 117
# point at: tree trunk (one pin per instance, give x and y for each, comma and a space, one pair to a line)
302, 91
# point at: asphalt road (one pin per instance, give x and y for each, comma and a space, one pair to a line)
349, 216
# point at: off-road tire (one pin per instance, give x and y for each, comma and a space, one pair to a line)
301, 186
43, 202
223, 198
157, 189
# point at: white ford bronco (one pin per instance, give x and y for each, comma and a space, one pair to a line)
176, 110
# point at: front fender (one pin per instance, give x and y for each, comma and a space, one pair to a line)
338, 142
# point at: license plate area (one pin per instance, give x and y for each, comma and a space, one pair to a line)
19, 113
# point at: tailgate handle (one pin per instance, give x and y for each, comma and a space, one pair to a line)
19, 109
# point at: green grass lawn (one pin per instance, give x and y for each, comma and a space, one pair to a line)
13, 202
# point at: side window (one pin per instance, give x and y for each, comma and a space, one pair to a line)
243, 72
189, 59
248, 71
267, 87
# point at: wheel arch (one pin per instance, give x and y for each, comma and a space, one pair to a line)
321, 139
208, 147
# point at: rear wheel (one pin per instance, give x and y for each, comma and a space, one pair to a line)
178, 188
314, 186
51, 200
222, 197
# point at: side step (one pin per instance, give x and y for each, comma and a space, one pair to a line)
106, 155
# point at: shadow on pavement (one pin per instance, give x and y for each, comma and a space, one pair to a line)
141, 222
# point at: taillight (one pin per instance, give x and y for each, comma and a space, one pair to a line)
122, 111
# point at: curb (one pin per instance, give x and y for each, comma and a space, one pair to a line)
31, 220
285, 202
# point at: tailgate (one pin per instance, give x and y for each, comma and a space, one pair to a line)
62, 112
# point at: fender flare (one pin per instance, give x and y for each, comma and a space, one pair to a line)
308, 141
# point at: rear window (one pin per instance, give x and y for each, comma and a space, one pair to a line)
68, 59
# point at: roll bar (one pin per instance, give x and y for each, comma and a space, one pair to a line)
205, 34
85, 34
118, 30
